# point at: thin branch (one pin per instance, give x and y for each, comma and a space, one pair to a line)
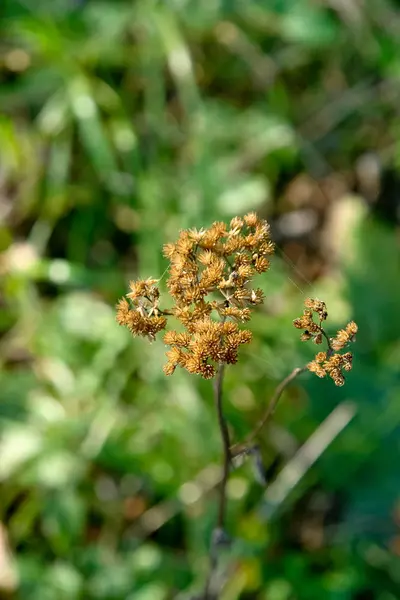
330, 349
270, 408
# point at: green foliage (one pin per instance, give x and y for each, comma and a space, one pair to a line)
122, 122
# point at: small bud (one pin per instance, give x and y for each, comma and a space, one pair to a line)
318, 338
258, 465
239, 458
219, 541
305, 336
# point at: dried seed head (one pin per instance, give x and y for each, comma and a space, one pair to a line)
221, 261
326, 363
141, 315
217, 260
316, 368
306, 336
344, 336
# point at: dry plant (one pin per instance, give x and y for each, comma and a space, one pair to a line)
210, 276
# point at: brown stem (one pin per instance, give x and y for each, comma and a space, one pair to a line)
225, 443
270, 409
218, 381
328, 341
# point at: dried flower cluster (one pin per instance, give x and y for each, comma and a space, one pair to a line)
331, 362
142, 315
209, 280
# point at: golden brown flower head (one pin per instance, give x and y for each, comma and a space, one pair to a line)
141, 315
210, 283
330, 362
344, 336
211, 342
209, 279
312, 330
318, 307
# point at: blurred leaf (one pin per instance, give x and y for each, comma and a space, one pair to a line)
63, 515
308, 25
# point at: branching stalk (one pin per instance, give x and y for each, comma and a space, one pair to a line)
327, 338
269, 410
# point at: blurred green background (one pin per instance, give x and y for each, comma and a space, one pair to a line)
120, 123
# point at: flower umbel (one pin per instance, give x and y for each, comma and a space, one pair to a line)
330, 362
209, 281
210, 277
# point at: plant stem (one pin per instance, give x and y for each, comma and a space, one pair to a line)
225, 443
218, 381
270, 408
330, 349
